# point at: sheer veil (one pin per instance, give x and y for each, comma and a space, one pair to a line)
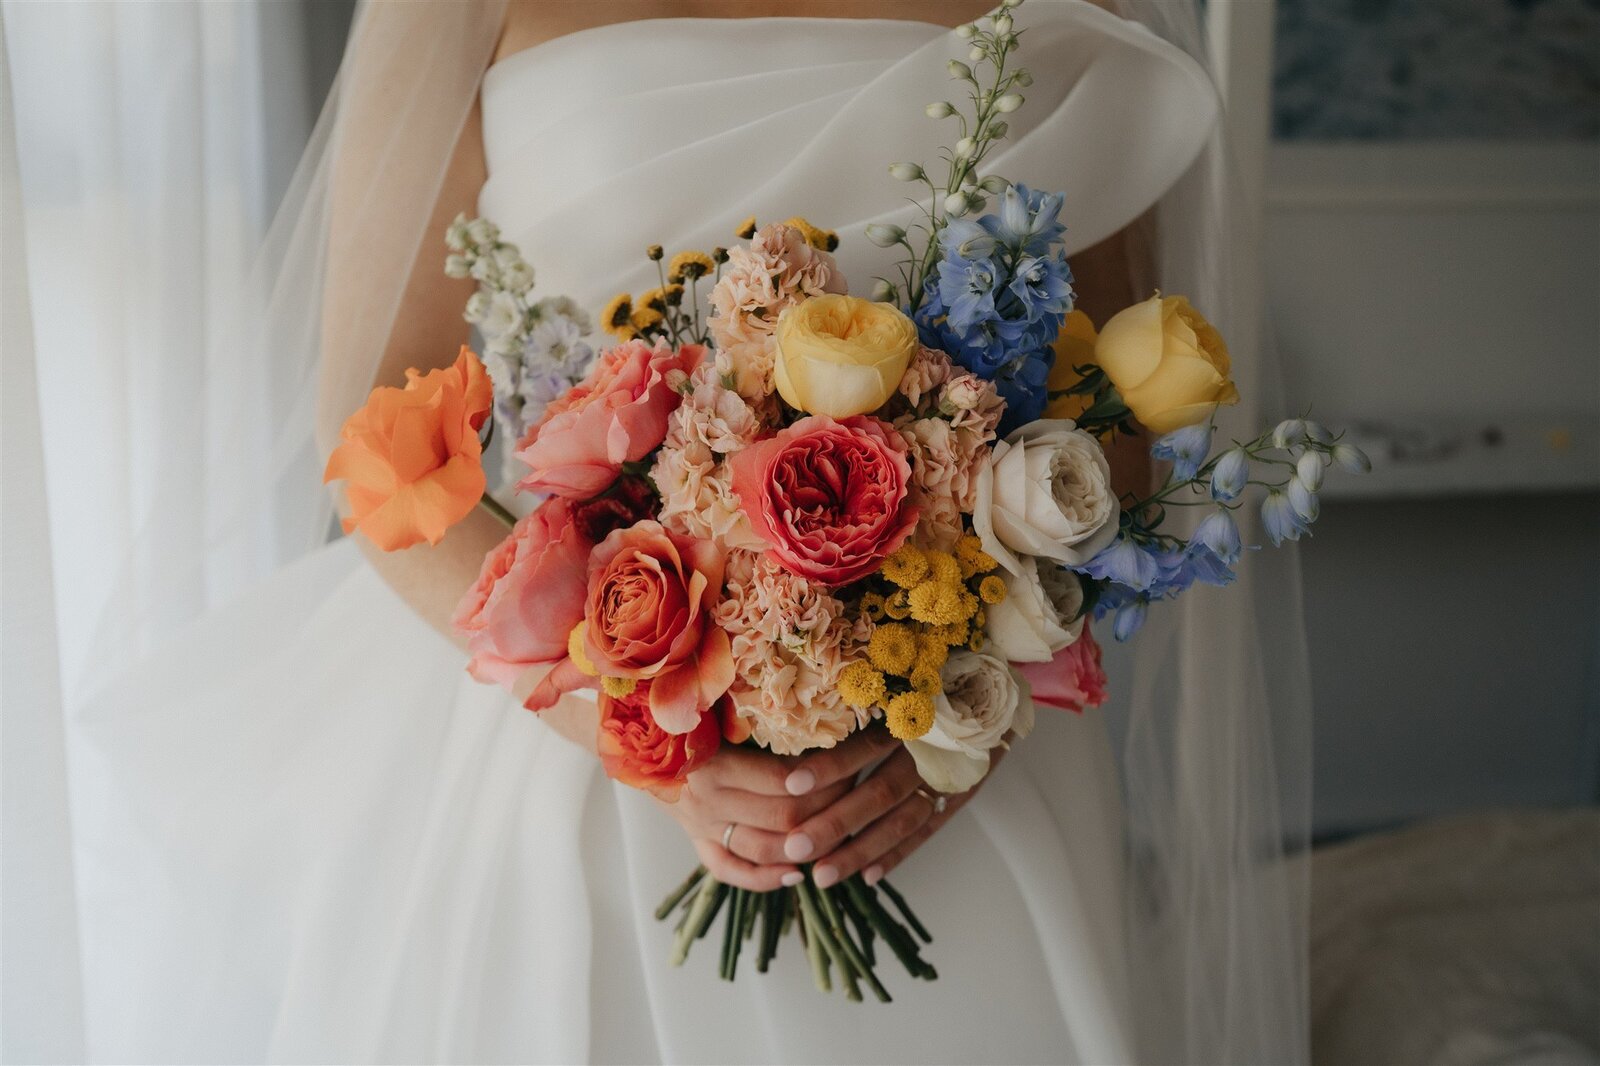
1214, 731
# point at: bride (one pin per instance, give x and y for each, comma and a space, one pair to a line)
312, 837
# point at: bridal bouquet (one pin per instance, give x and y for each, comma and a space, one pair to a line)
775, 513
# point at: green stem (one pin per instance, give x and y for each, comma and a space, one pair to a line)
678, 893
494, 507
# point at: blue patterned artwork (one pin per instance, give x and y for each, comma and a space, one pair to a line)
1433, 69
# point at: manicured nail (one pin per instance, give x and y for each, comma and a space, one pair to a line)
800, 782
798, 847
825, 876
873, 875
792, 878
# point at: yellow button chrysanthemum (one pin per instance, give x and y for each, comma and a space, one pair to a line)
942, 566
746, 229
861, 684
644, 318
992, 590
617, 687
690, 265
972, 557
910, 715
906, 566
932, 649
617, 317
575, 650
892, 648
926, 681
939, 603
898, 606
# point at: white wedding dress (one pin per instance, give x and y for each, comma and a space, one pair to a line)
306, 835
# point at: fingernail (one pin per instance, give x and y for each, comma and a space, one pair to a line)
798, 847
792, 878
873, 875
800, 782
825, 876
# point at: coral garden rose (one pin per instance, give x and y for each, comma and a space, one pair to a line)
529, 595
840, 355
1072, 680
616, 415
646, 618
1168, 363
1046, 491
411, 459
830, 498
638, 752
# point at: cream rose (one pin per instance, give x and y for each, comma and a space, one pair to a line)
1169, 364
983, 700
841, 355
1041, 614
1046, 491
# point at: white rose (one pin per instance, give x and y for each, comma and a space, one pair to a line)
1046, 490
502, 317
1041, 614
983, 700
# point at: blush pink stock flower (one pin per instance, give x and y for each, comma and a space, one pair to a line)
1072, 680
830, 498
618, 414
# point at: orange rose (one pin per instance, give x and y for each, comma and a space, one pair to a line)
638, 752
411, 458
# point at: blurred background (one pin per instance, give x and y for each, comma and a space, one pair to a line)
1428, 179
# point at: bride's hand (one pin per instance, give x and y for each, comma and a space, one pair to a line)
875, 825
747, 789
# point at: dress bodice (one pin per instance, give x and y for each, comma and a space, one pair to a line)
672, 131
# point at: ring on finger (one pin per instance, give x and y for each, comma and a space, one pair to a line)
938, 801
727, 836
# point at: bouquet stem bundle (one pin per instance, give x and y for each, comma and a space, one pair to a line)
839, 927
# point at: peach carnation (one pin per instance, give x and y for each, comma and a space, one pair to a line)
791, 642
929, 369
778, 268
696, 486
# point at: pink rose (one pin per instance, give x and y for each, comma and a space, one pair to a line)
528, 596
830, 498
618, 414
1072, 680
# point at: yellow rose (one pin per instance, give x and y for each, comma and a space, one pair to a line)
1074, 346
1169, 364
841, 355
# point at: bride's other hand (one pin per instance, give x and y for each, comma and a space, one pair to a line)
873, 827
747, 789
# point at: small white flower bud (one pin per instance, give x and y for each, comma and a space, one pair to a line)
964, 147
1002, 24
1288, 432
456, 235
1008, 103
1024, 79
976, 202
1351, 459
999, 129
882, 291
975, 53
906, 172
994, 183
477, 304
966, 32
456, 266
482, 232
955, 205
1309, 470
885, 235
959, 70
942, 109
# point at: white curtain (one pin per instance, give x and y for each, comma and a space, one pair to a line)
151, 143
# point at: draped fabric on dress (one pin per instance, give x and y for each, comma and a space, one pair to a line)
312, 837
